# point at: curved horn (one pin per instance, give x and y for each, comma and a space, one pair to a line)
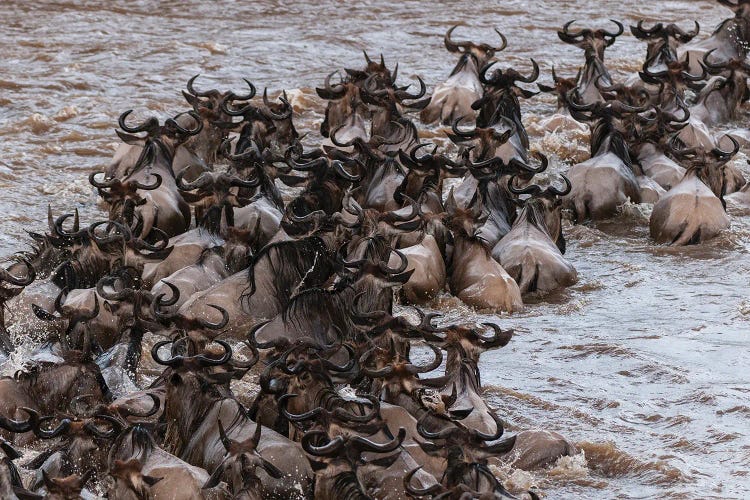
430, 491
147, 187
398, 270
329, 449
171, 122
151, 125
104, 184
620, 30
216, 326
270, 114
93, 429
561, 192
403, 94
125, 412
192, 90
533, 76
14, 280
430, 366
532, 189
452, 45
368, 445
460, 133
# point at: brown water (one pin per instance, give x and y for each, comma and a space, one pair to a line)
644, 363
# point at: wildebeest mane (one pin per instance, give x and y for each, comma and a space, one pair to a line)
300, 263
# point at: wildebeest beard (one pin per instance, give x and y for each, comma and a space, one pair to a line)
305, 263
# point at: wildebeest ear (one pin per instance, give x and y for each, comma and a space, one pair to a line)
215, 477
271, 469
150, 480
47, 481
131, 139
450, 204
545, 88
9, 451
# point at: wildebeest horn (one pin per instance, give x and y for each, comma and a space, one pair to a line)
216, 326
429, 491
104, 184
398, 270
17, 426
151, 125
308, 415
246, 365
532, 189
620, 30
403, 94
499, 338
36, 423
75, 233
568, 37
490, 437
270, 114
113, 422
171, 122
203, 181
641, 32
147, 187
727, 154
14, 280
684, 37
202, 360
560, 192
159, 299
414, 369
310, 165
365, 444
123, 232
331, 92
196, 93
441, 434
505, 42
543, 163
342, 414
533, 76
327, 450
261, 345
460, 133
248, 96
452, 45
338, 167
301, 219
125, 412
343, 368
714, 68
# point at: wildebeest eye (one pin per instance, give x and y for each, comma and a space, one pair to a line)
175, 379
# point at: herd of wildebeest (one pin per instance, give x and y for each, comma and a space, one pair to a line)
203, 260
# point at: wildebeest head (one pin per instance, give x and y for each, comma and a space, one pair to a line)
708, 165
544, 208
663, 40
482, 52
66, 488
85, 443
561, 86
592, 41
129, 482
240, 465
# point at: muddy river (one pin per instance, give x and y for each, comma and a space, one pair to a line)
644, 363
